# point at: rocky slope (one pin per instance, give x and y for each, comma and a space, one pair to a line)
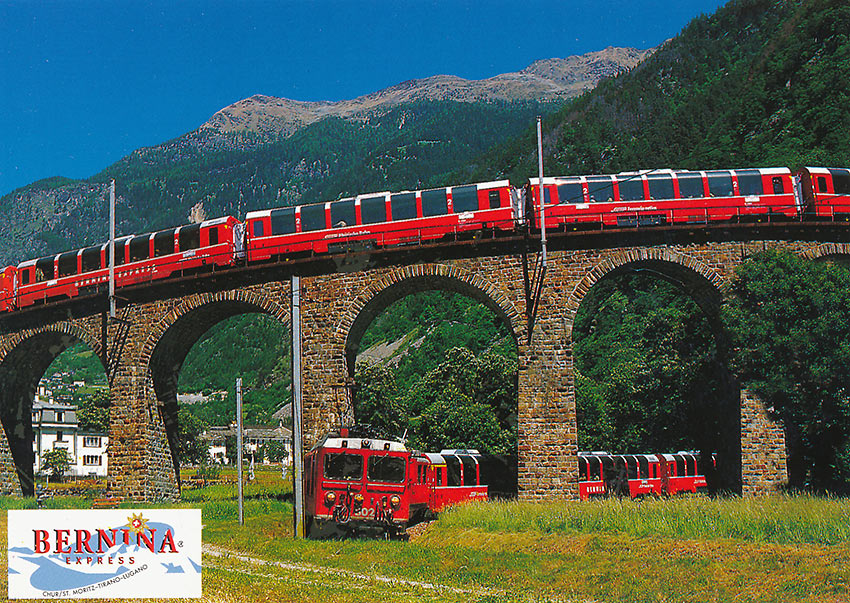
546, 80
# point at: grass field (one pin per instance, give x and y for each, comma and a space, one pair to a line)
686, 549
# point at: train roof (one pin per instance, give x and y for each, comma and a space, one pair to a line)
358, 443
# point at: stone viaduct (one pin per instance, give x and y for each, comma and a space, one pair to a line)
144, 349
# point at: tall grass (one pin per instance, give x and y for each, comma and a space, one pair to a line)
774, 519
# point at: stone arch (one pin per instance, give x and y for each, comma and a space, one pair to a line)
399, 283
671, 265
170, 340
707, 289
24, 358
837, 252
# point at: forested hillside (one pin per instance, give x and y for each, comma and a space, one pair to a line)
408, 146
759, 83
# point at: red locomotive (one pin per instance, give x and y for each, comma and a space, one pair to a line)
354, 483
637, 475
625, 200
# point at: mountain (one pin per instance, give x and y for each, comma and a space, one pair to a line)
266, 152
759, 83
547, 80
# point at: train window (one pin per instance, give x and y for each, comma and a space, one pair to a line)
212, 235
44, 269
469, 474
720, 184
385, 469
283, 222
661, 186
691, 464
600, 189
464, 198
257, 230
374, 210
631, 188
750, 182
594, 469
25, 276
163, 243
778, 185
570, 193
190, 237
434, 202
680, 465
452, 471
91, 259
120, 257
493, 198
821, 184
342, 213
643, 464
341, 465
68, 263
690, 185
313, 217
840, 181
139, 248
582, 469
632, 467
403, 206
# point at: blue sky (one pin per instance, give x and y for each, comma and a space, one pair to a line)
83, 83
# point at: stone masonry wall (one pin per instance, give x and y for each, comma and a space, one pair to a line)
763, 454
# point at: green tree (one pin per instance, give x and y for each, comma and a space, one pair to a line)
93, 411
789, 321
376, 399
647, 374
191, 448
57, 462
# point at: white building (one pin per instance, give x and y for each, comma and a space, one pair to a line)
56, 426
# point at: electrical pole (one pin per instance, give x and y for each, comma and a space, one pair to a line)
112, 249
239, 446
297, 452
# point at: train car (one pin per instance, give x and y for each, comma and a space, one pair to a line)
638, 475
7, 288
138, 259
826, 192
664, 197
357, 484
381, 220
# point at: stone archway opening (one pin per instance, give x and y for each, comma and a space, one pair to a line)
198, 357
29, 384
436, 358
651, 370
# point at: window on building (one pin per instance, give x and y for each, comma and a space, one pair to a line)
60, 436
92, 460
60, 416
91, 442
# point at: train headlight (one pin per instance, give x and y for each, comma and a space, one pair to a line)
358, 500
395, 501
330, 498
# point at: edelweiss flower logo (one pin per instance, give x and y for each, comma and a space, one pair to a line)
137, 523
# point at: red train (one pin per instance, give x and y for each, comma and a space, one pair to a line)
637, 475
629, 199
355, 484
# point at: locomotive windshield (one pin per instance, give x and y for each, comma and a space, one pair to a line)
385, 469
341, 465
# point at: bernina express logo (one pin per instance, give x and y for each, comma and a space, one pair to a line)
100, 554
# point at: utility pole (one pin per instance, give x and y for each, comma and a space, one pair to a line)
112, 249
239, 446
297, 452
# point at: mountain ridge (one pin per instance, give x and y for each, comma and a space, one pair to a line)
546, 80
